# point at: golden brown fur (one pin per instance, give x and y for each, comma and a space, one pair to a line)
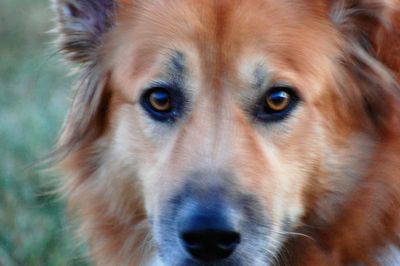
331, 171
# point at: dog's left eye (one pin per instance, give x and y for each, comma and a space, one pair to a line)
163, 103
277, 104
160, 100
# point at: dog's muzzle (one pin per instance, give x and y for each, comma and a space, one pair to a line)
211, 223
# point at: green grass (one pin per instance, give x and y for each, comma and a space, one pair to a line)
34, 93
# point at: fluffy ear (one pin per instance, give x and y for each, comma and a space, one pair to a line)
366, 20
371, 41
82, 26
82, 23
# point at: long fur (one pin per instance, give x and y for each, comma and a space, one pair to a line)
114, 220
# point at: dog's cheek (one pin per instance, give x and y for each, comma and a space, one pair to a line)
339, 156
275, 168
143, 148
301, 168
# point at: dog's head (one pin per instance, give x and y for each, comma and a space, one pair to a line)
223, 126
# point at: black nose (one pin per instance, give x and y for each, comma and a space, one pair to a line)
207, 234
210, 245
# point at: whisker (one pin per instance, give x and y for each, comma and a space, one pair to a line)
292, 233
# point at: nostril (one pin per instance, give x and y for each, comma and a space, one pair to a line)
210, 245
224, 239
228, 240
192, 240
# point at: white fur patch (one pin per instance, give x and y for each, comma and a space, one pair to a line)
390, 256
155, 261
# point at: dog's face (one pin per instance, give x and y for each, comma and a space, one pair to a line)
218, 115
227, 117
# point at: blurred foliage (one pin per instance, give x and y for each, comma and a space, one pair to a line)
34, 92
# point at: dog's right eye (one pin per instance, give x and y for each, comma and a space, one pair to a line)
163, 104
277, 104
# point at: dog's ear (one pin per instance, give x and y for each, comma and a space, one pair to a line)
82, 27
370, 32
374, 24
82, 24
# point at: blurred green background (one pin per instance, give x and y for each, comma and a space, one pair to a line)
34, 95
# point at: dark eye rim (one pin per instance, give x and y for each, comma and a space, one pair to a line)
267, 115
176, 98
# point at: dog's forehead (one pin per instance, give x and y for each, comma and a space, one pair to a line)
242, 40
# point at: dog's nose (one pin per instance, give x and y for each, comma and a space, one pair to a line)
210, 245
207, 234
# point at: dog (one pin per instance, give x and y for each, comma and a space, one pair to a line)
233, 132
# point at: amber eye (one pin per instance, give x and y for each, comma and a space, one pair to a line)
160, 100
277, 104
278, 101
164, 102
